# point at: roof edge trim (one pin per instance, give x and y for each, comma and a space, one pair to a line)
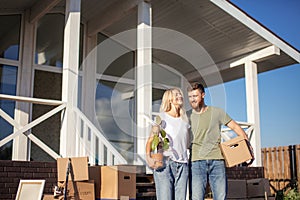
237, 13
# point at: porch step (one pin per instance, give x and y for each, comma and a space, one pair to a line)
145, 186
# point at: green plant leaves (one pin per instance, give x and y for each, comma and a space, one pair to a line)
158, 120
155, 142
158, 142
163, 133
166, 143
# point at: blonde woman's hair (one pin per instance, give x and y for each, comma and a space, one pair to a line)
166, 102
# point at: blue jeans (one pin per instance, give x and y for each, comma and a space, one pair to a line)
171, 181
213, 171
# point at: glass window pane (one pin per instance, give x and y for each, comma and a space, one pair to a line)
10, 36
49, 41
114, 59
165, 75
115, 113
47, 85
81, 47
8, 85
157, 95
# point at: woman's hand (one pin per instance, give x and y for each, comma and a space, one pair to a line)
155, 130
151, 162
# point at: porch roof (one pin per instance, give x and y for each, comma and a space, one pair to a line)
225, 31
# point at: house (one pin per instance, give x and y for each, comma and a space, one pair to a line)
83, 77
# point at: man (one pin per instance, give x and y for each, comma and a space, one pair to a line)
207, 162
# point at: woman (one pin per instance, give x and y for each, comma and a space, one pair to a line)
171, 179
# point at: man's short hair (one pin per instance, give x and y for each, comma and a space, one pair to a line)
195, 86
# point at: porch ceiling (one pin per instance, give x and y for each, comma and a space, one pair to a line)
225, 38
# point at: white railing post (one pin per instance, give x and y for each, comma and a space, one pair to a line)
92, 155
101, 153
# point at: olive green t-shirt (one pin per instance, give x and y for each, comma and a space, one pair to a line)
206, 133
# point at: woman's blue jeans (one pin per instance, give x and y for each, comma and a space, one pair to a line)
214, 172
171, 181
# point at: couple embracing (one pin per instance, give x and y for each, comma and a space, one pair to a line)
193, 154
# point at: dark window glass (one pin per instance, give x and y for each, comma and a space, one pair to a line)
10, 36
49, 41
114, 59
8, 85
81, 47
47, 85
50, 37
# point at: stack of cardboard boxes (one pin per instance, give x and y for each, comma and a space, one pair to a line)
114, 182
94, 182
237, 151
251, 189
79, 184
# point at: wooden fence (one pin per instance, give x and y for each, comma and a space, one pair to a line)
282, 167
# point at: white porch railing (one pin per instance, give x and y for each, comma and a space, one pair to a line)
92, 143
19, 129
89, 140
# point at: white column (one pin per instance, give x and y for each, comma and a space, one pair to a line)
143, 75
21, 147
253, 108
70, 76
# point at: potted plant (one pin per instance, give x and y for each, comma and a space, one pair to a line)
159, 143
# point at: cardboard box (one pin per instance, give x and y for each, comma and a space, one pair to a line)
259, 187
95, 175
237, 189
78, 172
51, 197
236, 151
79, 190
118, 182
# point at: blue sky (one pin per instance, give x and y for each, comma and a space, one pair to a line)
279, 93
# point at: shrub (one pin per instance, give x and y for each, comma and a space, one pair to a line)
292, 195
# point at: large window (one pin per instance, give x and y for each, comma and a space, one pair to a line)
10, 36
8, 85
115, 107
115, 102
48, 80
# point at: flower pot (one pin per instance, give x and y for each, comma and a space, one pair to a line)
159, 160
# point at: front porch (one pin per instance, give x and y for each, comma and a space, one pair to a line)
79, 63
